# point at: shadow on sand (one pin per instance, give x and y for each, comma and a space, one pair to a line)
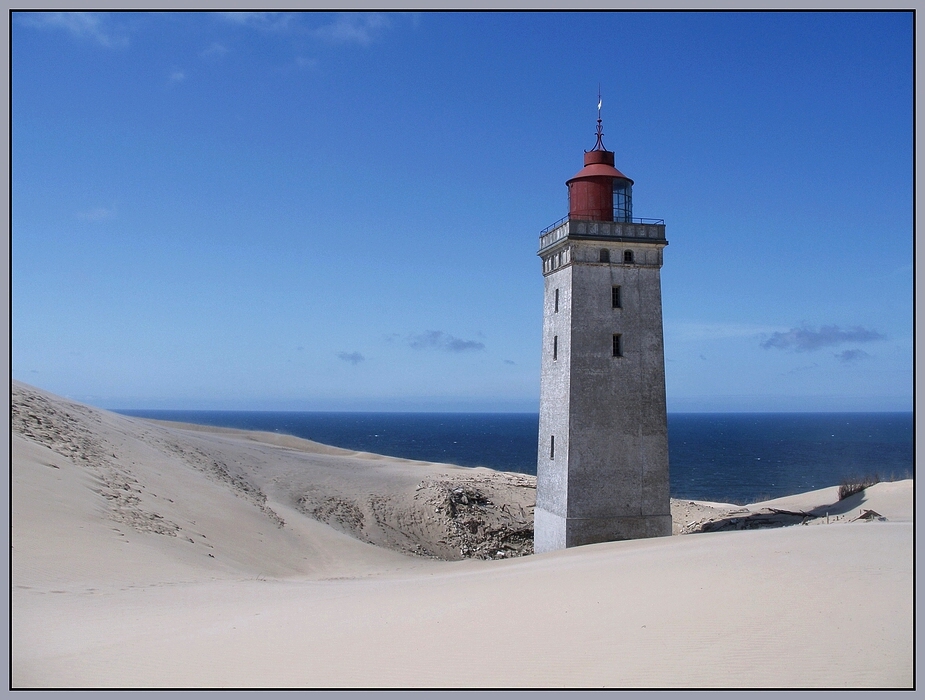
748, 519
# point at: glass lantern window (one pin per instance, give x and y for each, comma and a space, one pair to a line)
622, 201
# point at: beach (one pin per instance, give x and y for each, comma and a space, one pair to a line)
150, 554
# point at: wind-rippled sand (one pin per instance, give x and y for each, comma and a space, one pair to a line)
154, 554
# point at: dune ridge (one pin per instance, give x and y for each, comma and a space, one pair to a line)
150, 554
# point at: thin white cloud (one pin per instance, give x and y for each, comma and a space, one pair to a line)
97, 214
268, 21
346, 28
805, 339
91, 26
178, 76
353, 28
438, 340
354, 358
852, 355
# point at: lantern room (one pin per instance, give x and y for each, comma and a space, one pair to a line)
600, 192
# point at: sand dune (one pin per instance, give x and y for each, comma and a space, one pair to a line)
155, 554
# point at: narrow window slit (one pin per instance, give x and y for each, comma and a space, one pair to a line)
617, 345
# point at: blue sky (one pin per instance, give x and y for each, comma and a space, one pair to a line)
341, 211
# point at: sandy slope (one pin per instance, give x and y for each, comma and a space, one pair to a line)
149, 554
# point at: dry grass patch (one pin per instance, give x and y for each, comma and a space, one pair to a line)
853, 485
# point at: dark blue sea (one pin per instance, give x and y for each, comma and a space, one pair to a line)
735, 457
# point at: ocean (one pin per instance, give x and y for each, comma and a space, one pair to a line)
732, 457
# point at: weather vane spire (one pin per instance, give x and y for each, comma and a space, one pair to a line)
599, 145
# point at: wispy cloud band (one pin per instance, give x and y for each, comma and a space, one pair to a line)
438, 340
347, 27
354, 358
268, 21
93, 26
852, 355
805, 339
353, 28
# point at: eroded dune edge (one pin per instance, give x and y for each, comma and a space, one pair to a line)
417, 508
158, 554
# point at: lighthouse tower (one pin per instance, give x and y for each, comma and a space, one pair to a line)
602, 463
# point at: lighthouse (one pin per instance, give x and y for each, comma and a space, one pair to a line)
602, 459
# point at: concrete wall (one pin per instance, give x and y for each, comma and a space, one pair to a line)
552, 473
609, 478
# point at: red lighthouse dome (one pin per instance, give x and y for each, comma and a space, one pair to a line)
600, 192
